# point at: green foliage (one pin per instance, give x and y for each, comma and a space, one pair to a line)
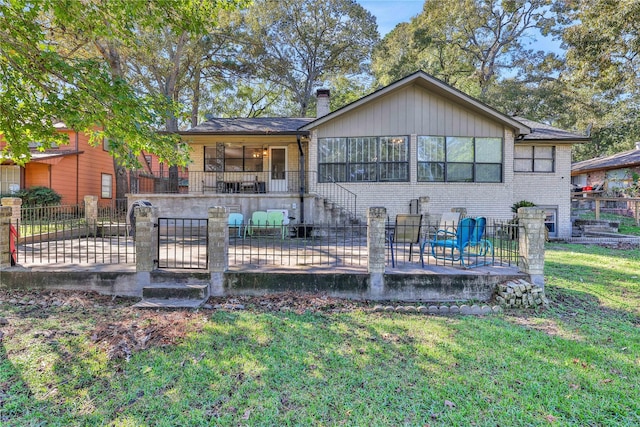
521, 204
38, 196
302, 44
464, 43
62, 61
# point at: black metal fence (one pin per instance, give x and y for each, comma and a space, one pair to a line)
62, 235
182, 243
498, 246
296, 246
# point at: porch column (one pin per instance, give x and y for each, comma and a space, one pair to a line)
91, 213
217, 251
531, 239
5, 223
423, 209
376, 218
461, 211
146, 239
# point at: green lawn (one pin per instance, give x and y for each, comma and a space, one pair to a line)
318, 361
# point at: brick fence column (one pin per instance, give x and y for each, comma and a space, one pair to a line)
218, 248
376, 218
146, 238
15, 203
531, 239
91, 213
5, 223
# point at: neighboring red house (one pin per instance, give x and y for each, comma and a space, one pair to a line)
73, 171
80, 169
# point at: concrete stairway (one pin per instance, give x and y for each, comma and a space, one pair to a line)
173, 296
329, 211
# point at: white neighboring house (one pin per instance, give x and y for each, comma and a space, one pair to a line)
421, 137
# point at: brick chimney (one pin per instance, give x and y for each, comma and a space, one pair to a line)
322, 107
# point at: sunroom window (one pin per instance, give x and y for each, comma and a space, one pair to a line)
363, 159
459, 159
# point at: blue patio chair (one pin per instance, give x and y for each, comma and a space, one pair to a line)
452, 246
236, 220
479, 247
406, 230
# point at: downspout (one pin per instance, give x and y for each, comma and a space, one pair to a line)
77, 169
301, 177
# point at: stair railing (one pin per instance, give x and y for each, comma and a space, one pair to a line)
335, 193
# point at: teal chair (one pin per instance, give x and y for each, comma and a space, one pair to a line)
236, 220
480, 248
452, 246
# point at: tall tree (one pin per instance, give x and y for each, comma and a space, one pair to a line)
63, 60
466, 43
301, 44
602, 38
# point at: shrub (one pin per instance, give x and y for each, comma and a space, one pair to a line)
38, 196
521, 204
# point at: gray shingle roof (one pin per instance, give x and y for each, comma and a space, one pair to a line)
252, 126
544, 132
616, 161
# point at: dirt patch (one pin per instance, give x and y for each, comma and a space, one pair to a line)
122, 338
121, 330
289, 301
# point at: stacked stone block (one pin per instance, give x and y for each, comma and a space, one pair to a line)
521, 294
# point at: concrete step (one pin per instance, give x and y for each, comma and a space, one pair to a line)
173, 296
168, 291
170, 303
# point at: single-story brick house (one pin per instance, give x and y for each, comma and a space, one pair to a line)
416, 137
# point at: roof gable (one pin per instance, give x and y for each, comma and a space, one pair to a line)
434, 85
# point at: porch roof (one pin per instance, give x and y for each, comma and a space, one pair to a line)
251, 126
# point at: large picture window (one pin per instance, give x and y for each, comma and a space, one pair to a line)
236, 159
459, 159
363, 159
534, 158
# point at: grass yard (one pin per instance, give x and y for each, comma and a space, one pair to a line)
81, 359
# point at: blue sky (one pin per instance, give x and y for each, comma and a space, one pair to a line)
390, 13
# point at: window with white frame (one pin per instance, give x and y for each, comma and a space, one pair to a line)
534, 158
550, 220
9, 179
107, 186
363, 159
459, 159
